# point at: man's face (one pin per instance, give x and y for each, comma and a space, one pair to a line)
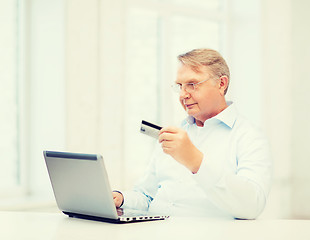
207, 100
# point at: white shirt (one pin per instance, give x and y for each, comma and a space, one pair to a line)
233, 180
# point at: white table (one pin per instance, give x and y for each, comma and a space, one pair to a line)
54, 226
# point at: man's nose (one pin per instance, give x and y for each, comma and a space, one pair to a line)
184, 94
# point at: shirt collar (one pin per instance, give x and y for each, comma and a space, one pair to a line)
228, 116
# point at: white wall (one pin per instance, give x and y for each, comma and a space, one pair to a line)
286, 86
277, 111
300, 87
94, 75
82, 75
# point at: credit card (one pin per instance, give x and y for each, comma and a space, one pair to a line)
150, 129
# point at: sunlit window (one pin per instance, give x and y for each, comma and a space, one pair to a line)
9, 107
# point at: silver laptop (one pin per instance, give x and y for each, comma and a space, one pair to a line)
81, 188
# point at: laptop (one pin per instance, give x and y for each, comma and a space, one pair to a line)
81, 188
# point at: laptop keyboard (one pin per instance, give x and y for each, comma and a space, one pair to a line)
130, 213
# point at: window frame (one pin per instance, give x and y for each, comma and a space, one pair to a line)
19, 189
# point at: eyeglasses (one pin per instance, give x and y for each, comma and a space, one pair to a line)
188, 87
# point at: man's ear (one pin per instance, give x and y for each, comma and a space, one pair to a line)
223, 84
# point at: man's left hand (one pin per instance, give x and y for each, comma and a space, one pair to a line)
176, 143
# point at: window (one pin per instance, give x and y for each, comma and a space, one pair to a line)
32, 102
10, 48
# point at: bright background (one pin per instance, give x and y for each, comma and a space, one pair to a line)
80, 75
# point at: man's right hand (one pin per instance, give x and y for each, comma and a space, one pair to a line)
118, 199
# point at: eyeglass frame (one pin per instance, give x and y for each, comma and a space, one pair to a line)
177, 87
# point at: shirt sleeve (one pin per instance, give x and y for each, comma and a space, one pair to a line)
144, 191
242, 193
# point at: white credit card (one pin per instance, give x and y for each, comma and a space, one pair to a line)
150, 129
